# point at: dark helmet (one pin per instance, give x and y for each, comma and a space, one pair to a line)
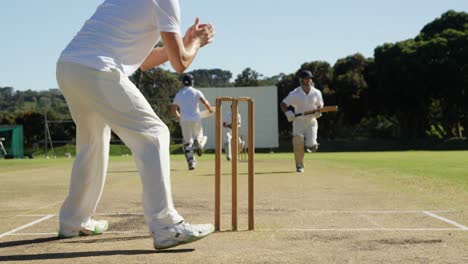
188, 79
305, 74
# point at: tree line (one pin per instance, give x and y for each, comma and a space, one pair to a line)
412, 89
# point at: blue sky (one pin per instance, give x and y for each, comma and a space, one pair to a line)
269, 36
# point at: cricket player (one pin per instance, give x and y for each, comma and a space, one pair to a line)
227, 124
187, 100
304, 98
93, 74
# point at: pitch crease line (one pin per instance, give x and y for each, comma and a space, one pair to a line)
462, 227
40, 208
26, 226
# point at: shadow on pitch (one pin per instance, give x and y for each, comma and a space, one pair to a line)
27, 242
71, 255
104, 239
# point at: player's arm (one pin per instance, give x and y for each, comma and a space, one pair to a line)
174, 110
206, 104
180, 52
284, 107
156, 57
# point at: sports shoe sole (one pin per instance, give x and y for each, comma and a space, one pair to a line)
177, 243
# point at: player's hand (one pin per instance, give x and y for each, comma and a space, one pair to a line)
203, 32
290, 115
317, 114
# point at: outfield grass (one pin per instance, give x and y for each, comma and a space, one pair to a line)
436, 168
449, 166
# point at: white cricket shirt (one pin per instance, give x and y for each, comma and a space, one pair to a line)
122, 33
188, 99
228, 118
304, 102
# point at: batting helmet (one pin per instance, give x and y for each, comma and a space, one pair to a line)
305, 74
188, 80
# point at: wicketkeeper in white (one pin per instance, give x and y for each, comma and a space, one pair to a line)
227, 138
93, 74
187, 100
304, 98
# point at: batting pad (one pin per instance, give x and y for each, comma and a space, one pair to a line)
298, 145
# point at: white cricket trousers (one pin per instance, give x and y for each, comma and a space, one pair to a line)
191, 130
306, 128
100, 101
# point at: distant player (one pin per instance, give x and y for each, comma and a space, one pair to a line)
304, 98
187, 101
227, 124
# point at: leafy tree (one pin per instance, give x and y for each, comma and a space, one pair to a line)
351, 88
248, 78
412, 74
444, 50
211, 77
159, 87
33, 127
273, 80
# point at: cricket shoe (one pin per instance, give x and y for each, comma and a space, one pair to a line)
181, 233
314, 148
92, 227
200, 145
198, 148
300, 168
192, 165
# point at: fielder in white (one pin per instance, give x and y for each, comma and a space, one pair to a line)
227, 124
92, 73
187, 100
304, 98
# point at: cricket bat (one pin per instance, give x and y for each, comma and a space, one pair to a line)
205, 113
325, 109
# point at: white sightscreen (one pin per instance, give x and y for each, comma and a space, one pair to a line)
266, 113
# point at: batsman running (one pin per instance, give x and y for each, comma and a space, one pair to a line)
305, 98
187, 100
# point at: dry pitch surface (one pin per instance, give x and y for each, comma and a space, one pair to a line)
332, 213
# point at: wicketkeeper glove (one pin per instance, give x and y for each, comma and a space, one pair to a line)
290, 115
